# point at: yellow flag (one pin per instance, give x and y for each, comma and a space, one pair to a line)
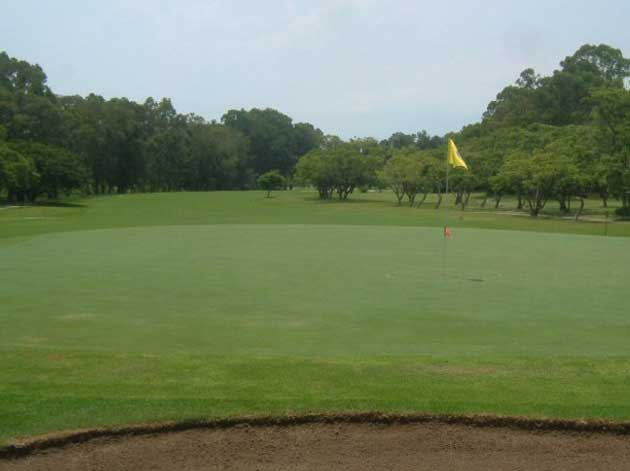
453, 156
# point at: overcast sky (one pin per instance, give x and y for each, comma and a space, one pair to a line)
350, 67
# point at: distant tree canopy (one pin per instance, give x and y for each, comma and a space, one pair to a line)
558, 138
571, 128
275, 143
51, 145
561, 137
564, 97
419, 140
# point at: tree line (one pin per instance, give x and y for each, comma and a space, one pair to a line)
562, 138
559, 138
51, 145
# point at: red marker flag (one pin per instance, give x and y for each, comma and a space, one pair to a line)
448, 233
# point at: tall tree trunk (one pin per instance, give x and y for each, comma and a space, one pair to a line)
579, 211
439, 202
465, 199
497, 201
484, 201
563, 204
424, 197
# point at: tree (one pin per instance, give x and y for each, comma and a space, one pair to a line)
219, 157
20, 76
563, 97
59, 170
511, 177
462, 182
603, 60
354, 164
542, 175
424, 141
341, 167
394, 174
18, 175
271, 136
407, 173
314, 169
272, 180
399, 140
612, 115
307, 137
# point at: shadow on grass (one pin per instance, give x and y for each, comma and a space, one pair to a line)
350, 200
60, 204
51, 204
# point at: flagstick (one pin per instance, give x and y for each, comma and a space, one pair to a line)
445, 218
446, 172
444, 254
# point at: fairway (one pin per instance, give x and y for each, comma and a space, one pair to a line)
212, 314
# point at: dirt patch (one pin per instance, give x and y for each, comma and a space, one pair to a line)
355, 442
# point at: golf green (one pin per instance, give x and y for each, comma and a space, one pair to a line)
111, 326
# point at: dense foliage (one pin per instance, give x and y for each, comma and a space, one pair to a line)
340, 167
559, 138
51, 145
562, 138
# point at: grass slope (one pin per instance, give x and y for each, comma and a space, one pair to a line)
171, 306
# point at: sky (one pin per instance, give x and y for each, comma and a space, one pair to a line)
350, 67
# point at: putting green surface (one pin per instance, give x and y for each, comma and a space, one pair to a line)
209, 317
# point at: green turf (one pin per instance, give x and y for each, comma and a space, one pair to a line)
170, 306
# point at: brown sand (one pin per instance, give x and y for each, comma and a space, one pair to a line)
336, 446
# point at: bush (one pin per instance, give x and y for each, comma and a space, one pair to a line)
271, 181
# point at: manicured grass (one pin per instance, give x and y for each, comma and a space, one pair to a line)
170, 306
296, 207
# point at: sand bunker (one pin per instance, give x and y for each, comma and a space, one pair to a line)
354, 444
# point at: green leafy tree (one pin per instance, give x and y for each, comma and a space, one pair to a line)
274, 142
18, 176
399, 140
59, 170
341, 167
463, 183
219, 158
270, 181
561, 98
612, 115
511, 177
315, 169
545, 176
408, 173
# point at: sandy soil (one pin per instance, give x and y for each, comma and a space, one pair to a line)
423, 446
